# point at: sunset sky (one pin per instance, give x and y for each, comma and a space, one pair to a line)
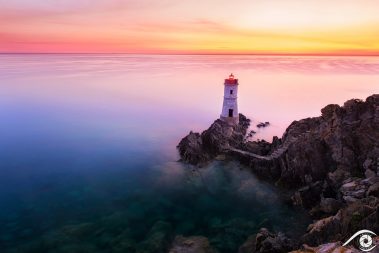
346, 27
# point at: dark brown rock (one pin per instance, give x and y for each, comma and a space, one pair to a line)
308, 195
362, 214
373, 190
260, 147
191, 149
340, 144
330, 111
330, 205
198, 149
333, 247
267, 242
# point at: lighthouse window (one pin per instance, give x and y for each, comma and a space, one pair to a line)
231, 91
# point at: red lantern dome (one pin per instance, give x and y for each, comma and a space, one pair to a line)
231, 80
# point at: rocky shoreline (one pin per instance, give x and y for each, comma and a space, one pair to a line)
331, 163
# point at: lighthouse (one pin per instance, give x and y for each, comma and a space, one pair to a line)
229, 112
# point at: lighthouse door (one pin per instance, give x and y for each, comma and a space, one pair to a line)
230, 112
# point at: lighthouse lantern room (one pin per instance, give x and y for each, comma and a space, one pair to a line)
229, 112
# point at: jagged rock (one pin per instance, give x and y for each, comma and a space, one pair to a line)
349, 199
191, 149
260, 147
308, 195
330, 205
266, 242
357, 188
251, 133
323, 230
198, 149
263, 124
327, 206
337, 177
350, 186
276, 142
373, 190
334, 247
339, 145
192, 244
330, 111
369, 173
340, 141
362, 214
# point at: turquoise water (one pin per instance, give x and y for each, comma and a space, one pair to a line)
87, 147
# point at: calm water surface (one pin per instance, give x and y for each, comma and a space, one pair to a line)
87, 146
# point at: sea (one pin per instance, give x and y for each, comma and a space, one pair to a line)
88, 158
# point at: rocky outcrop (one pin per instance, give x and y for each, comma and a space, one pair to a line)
342, 139
334, 247
362, 214
198, 149
317, 156
260, 147
191, 149
330, 162
342, 143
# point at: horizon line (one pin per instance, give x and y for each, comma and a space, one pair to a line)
241, 54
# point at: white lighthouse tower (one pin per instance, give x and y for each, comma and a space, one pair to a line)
229, 112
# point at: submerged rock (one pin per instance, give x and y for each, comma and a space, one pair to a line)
227, 235
158, 239
123, 243
267, 242
79, 231
191, 244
